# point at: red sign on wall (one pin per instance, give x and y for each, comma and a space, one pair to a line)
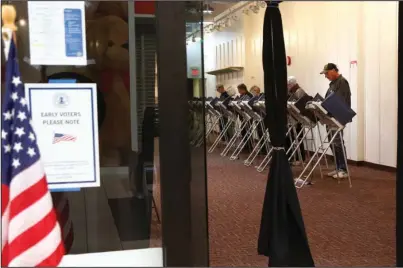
144, 7
195, 72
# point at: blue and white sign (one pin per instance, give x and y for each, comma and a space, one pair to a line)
73, 32
64, 117
57, 33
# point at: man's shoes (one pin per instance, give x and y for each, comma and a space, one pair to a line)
332, 173
341, 174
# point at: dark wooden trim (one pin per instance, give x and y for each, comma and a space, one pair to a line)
399, 172
175, 162
200, 236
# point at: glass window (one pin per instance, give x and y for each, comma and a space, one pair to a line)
124, 213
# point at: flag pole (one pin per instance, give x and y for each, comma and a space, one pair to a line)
8, 15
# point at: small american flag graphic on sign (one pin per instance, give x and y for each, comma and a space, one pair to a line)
59, 137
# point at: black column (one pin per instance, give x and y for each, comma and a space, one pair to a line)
174, 145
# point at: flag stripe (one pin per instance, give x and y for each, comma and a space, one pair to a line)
4, 256
27, 198
4, 198
27, 218
26, 179
40, 251
33, 235
5, 217
54, 257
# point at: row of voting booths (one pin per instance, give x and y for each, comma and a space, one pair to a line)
236, 124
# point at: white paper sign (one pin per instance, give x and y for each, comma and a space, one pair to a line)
65, 119
57, 33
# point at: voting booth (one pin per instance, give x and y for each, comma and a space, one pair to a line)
307, 117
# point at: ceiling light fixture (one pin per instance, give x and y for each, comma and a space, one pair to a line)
254, 8
207, 9
262, 4
22, 22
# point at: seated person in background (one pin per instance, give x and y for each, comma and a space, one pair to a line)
338, 85
255, 90
295, 92
243, 91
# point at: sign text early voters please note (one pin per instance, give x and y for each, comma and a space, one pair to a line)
65, 120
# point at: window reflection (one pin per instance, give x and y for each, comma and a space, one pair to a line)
111, 217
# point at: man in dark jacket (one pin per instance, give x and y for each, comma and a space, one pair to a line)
223, 94
338, 85
243, 91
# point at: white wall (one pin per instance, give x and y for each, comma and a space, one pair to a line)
341, 32
380, 81
224, 49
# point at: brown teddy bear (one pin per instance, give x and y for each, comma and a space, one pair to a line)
106, 37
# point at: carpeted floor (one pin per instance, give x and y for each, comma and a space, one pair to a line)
346, 226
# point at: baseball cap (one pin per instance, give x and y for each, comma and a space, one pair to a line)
292, 81
328, 67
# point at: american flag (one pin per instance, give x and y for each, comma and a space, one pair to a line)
59, 137
30, 231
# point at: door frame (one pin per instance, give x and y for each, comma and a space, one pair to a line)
182, 167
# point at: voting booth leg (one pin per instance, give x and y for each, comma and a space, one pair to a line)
237, 135
208, 123
335, 160
300, 182
221, 135
201, 130
259, 146
213, 125
265, 162
298, 145
244, 141
345, 159
321, 146
218, 139
198, 137
267, 159
292, 141
314, 149
224, 121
